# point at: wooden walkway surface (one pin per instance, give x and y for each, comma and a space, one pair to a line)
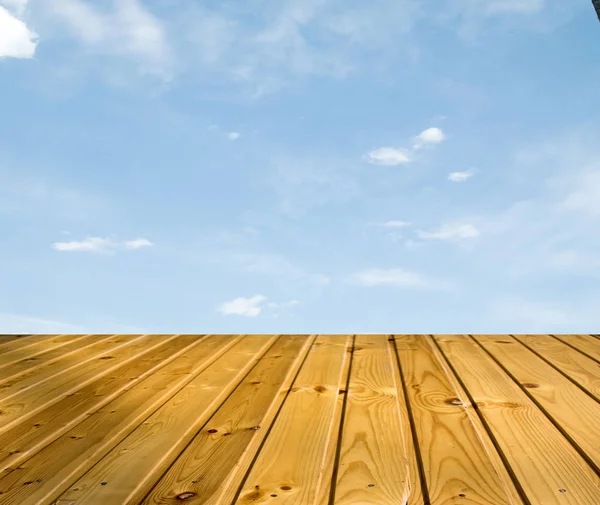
300, 419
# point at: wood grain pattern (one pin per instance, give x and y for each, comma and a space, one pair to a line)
25, 396
290, 463
373, 464
25, 439
415, 494
222, 452
132, 467
586, 344
66, 354
43, 477
579, 368
575, 412
542, 460
16, 350
299, 419
455, 453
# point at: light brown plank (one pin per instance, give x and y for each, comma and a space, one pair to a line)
27, 438
586, 344
543, 461
373, 464
211, 467
572, 363
575, 412
290, 463
56, 358
9, 338
22, 341
415, 495
26, 396
330, 459
458, 457
132, 467
42, 478
19, 349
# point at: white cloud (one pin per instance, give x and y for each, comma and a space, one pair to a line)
16, 39
25, 324
97, 244
17, 7
388, 156
233, 136
127, 29
137, 243
450, 232
430, 136
249, 307
283, 305
460, 176
396, 224
396, 277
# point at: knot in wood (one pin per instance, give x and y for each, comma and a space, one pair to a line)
453, 401
530, 385
185, 496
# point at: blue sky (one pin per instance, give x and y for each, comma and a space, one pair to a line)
299, 166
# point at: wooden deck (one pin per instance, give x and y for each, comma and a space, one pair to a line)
300, 419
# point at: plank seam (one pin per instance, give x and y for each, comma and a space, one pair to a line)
487, 428
338, 447
110, 398
575, 348
264, 440
556, 424
413, 429
209, 419
570, 379
133, 428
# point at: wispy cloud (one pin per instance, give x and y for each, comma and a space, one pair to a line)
23, 324
128, 29
396, 224
388, 156
460, 176
98, 244
397, 277
233, 135
16, 39
450, 232
273, 265
249, 307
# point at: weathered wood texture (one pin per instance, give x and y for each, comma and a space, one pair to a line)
300, 419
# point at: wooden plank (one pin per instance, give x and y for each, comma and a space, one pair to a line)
9, 338
571, 409
22, 341
210, 468
290, 463
373, 464
26, 439
548, 468
18, 402
132, 467
16, 350
415, 494
458, 458
330, 460
60, 357
572, 363
42, 478
586, 344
